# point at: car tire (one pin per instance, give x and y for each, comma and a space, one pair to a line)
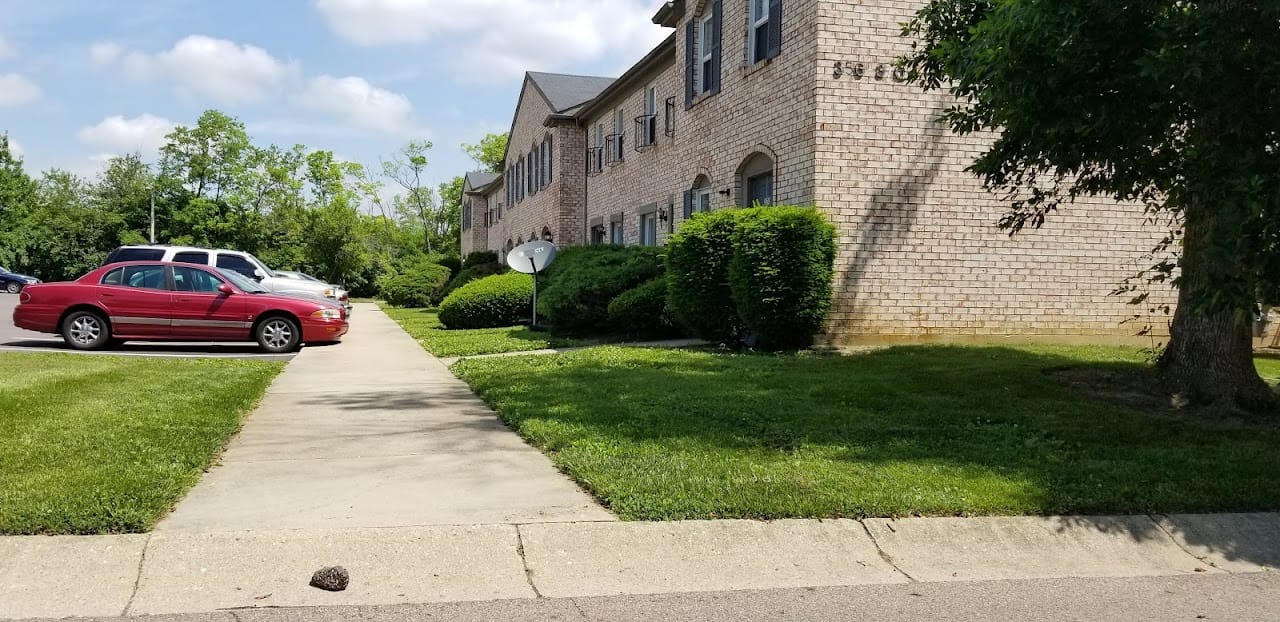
13, 287
278, 335
86, 330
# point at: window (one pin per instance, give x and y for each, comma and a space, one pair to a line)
113, 277
647, 124
615, 233
235, 263
551, 158
764, 34
600, 140
533, 172
520, 180
760, 189
706, 49
136, 254
598, 234
193, 280
144, 277
649, 229
699, 198
200, 259
619, 132
702, 202
703, 38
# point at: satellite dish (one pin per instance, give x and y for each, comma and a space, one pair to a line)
532, 257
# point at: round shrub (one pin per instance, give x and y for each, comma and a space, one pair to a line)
642, 312
453, 263
491, 302
479, 258
584, 279
698, 291
416, 286
474, 273
781, 271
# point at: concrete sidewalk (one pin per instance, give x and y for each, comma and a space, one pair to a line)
191, 572
374, 432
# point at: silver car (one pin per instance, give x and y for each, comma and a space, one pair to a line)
342, 294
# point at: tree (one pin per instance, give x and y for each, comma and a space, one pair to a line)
1177, 116
449, 228
406, 169
490, 153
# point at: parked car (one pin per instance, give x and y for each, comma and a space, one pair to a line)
13, 282
165, 301
244, 263
303, 276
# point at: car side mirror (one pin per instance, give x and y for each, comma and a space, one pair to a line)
225, 289
258, 275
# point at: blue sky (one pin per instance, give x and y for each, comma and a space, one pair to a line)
81, 80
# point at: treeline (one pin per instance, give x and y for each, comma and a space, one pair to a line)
295, 208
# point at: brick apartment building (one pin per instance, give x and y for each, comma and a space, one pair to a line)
797, 102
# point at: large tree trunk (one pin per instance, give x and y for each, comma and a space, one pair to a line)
1209, 359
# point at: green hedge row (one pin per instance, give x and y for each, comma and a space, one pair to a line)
763, 274
417, 286
492, 302
583, 281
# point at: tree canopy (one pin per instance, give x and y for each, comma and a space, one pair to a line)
1168, 105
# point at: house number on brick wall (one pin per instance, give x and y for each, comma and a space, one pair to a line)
858, 70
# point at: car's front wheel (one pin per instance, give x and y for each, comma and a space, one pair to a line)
278, 335
13, 287
86, 330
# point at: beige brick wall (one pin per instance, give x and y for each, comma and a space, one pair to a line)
920, 251
769, 107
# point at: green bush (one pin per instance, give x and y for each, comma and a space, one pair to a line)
415, 287
479, 258
584, 279
642, 312
491, 302
468, 275
453, 263
698, 291
780, 274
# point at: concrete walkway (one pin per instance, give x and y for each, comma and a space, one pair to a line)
374, 432
192, 572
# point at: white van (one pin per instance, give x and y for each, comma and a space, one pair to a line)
236, 261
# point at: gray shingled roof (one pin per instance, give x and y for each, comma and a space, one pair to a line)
565, 91
476, 180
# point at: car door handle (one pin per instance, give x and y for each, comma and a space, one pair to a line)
184, 300
108, 295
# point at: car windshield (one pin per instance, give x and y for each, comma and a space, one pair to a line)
307, 277
243, 282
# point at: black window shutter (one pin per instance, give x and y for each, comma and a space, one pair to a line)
688, 204
551, 158
717, 22
775, 28
691, 61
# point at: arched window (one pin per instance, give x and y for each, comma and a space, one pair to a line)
698, 198
755, 180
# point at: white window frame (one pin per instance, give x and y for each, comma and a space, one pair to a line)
704, 50
702, 200
649, 229
617, 235
619, 132
600, 159
651, 115
756, 21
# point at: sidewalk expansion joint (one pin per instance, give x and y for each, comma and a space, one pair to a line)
137, 581
524, 562
1184, 549
888, 559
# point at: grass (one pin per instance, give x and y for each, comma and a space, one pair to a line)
424, 325
97, 444
665, 434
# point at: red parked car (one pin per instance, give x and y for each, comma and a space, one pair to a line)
158, 301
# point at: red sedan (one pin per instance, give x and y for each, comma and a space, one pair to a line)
157, 301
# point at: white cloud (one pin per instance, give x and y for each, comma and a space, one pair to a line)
359, 103
15, 148
201, 66
6, 48
105, 53
144, 134
500, 39
16, 90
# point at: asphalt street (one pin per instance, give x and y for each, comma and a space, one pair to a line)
14, 339
1239, 598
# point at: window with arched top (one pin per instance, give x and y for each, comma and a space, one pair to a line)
755, 180
698, 198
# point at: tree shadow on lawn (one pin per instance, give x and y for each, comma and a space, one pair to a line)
903, 431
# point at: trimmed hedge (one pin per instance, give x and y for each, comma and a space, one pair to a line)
780, 274
642, 312
585, 279
698, 291
492, 302
479, 258
416, 287
468, 275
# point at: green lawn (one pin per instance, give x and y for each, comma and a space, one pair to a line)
97, 444
665, 434
425, 326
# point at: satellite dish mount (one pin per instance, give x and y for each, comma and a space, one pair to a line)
532, 258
